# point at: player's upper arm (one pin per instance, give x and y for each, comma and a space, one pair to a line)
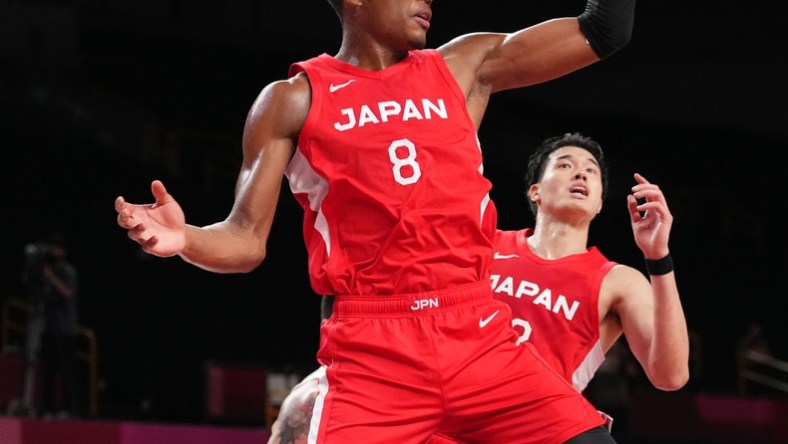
537, 54
270, 136
527, 57
633, 304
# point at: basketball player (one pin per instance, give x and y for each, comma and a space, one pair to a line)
570, 302
379, 145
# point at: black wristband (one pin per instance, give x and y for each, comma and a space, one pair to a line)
658, 267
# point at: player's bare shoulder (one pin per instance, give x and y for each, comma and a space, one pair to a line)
281, 108
621, 283
465, 55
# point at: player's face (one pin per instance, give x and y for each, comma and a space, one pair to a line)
400, 22
572, 180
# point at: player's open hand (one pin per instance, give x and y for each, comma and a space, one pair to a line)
160, 228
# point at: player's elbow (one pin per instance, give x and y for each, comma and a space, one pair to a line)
253, 260
240, 261
249, 249
672, 380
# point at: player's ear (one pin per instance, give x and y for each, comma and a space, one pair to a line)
533, 193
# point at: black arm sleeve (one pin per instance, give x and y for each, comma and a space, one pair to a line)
607, 25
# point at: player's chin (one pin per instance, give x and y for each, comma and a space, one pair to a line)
419, 43
416, 38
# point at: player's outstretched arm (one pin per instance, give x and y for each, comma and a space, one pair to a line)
236, 244
485, 63
651, 313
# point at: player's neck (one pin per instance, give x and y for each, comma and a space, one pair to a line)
555, 239
368, 54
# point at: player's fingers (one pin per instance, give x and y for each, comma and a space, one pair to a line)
656, 210
639, 178
160, 192
649, 192
138, 233
149, 244
632, 206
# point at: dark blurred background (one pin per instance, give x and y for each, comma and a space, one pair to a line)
99, 97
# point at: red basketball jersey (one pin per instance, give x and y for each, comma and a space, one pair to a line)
388, 170
555, 303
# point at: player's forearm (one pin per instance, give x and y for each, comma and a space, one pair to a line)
222, 248
669, 352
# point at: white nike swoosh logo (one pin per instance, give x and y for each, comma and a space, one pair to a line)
334, 88
483, 322
498, 255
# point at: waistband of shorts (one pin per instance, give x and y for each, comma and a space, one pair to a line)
425, 302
